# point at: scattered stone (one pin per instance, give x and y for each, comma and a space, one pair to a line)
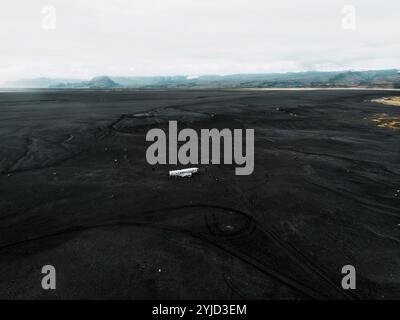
229, 228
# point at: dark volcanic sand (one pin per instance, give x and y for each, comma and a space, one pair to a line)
76, 192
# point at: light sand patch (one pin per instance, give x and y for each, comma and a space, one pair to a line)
390, 101
383, 120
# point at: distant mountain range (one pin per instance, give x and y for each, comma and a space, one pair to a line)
317, 79
95, 83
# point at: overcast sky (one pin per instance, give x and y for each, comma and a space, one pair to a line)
86, 38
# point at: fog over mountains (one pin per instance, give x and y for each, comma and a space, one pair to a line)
348, 79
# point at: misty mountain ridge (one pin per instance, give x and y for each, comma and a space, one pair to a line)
101, 82
318, 79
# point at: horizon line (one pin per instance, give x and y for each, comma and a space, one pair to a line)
203, 74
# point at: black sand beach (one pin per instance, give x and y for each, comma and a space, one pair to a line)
76, 192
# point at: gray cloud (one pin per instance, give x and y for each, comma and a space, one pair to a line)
166, 37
